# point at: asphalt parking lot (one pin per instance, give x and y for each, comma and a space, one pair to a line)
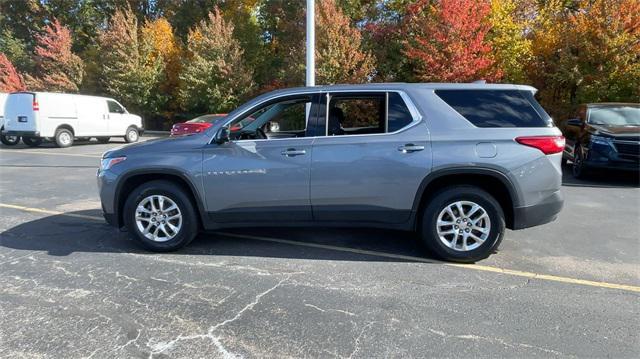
71, 286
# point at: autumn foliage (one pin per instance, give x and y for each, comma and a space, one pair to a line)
163, 58
10, 79
447, 40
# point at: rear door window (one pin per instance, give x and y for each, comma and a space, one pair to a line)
497, 108
399, 115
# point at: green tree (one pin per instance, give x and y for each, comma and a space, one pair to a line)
214, 77
128, 72
15, 50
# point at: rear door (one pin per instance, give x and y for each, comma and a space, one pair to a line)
21, 112
370, 159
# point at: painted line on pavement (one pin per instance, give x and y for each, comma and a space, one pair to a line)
476, 267
50, 153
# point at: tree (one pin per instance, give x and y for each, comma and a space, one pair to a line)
165, 47
447, 40
511, 48
56, 68
589, 52
339, 54
10, 79
128, 72
15, 50
214, 76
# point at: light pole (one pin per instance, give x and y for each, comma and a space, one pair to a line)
311, 43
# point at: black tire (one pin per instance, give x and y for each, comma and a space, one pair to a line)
187, 231
132, 135
449, 195
8, 140
578, 169
63, 138
103, 140
32, 141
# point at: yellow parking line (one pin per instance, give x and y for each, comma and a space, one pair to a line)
50, 153
476, 267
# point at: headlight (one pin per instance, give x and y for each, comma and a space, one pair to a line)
600, 140
107, 163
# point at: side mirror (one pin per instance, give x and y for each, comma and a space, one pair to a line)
576, 122
222, 135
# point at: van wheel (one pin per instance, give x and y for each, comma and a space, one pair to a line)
462, 224
32, 141
131, 135
103, 139
160, 216
63, 138
8, 140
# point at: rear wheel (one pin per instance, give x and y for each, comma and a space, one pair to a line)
63, 138
160, 216
32, 141
8, 140
131, 135
103, 139
462, 224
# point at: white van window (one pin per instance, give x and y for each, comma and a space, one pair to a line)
114, 107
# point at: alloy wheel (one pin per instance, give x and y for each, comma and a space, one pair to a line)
463, 226
158, 218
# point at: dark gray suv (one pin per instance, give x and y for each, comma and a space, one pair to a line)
457, 163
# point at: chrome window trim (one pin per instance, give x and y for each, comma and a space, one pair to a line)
413, 110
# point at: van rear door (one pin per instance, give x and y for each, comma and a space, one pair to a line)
21, 113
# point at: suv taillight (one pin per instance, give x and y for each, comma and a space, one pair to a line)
547, 144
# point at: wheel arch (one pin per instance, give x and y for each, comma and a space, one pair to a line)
65, 126
132, 180
491, 180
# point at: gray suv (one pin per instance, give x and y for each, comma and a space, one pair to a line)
456, 163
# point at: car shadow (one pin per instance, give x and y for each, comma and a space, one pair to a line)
601, 179
62, 235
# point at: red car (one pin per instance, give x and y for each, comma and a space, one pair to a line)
196, 125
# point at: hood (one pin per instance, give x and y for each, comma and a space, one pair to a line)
159, 145
615, 131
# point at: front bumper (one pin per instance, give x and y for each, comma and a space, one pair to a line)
541, 213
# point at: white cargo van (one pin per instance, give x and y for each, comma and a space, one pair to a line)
63, 117
7, 140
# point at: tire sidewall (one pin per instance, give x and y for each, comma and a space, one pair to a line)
429, 231
126, 135
189, 217
578, 168
59, 143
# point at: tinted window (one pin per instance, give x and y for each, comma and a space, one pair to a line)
114, 107
286, 118
354, 115
496, 108
399, 115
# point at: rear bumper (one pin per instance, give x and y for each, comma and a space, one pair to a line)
541, 213
22, 133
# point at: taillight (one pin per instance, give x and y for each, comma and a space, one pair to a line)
35, 105
547, 144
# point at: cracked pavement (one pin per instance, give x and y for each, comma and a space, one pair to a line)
77, 288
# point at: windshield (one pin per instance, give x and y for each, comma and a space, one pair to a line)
615, 116
206, 118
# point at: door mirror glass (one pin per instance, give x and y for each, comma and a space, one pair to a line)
222, 135
576, 122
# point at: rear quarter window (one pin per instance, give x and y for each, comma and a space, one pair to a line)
497, 108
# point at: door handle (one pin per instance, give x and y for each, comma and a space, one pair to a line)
410, 147
291, 152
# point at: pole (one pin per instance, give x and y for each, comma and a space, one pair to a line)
311, 43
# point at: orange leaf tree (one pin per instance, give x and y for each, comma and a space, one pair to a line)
446, 40
10, 79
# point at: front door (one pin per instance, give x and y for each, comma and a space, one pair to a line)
262, 173
371, 160
117, 115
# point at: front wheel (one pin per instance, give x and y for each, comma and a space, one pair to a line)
132, 135
32, 141
160, 216
462, 224
578, 169
8, 140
